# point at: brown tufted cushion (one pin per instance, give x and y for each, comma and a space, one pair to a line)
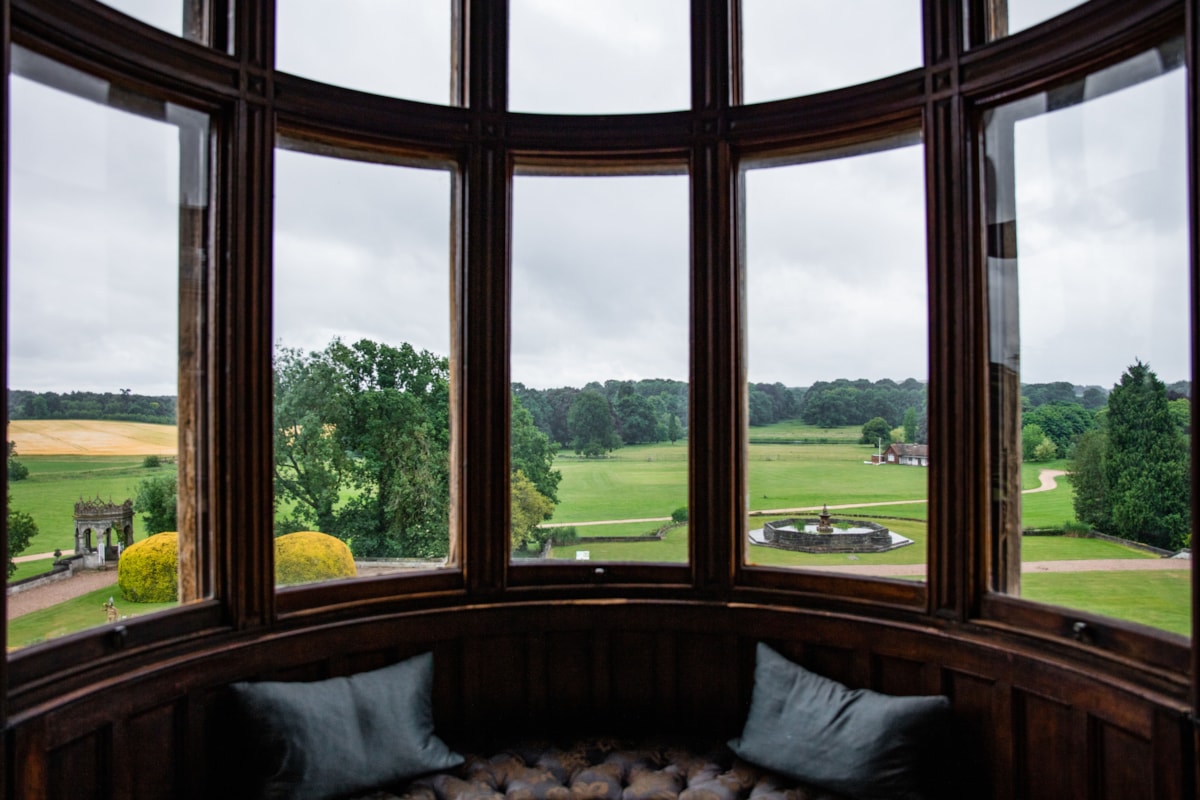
605, 769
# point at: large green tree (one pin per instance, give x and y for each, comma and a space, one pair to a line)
21, 529
639, 423
1147, 462
1064, 423
590, 422
156, 499
1135, 482
529, 508
1036, 445
533, 452
1089, 476
910, 424
876, 431
366, 423
16, 470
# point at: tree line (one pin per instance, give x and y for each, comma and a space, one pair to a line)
1055, 416
610, 413
842, 402
120, 406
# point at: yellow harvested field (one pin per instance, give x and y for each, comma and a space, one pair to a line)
86, 437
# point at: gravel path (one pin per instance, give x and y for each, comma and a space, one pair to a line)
86, 581
60, 591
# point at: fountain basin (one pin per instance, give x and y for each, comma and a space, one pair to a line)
828, 535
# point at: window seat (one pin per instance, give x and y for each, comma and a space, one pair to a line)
604, 768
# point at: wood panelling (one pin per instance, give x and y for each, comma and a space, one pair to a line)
1027, 726
983, 733
1124, 763
1048, 752
145, 763
892, 675
80, 769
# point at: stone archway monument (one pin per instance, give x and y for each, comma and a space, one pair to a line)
102, 530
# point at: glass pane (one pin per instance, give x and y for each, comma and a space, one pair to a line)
362, 371
1024, 14
615, 57
600, 368
1091, 341
837, 346
388, 47
792, 49
107, 210
164, 14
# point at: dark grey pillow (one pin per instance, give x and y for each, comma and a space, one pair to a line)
857, 742
329, 738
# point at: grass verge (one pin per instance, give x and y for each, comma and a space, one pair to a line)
76, 614
28, 569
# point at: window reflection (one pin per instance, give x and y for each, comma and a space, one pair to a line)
107, 222
600, 368
362, 368
1091, 340
837, 349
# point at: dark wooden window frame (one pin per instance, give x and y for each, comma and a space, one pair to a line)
251, 106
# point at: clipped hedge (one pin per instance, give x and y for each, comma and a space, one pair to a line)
148, 571
309, 556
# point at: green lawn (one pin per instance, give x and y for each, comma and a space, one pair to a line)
1159, 599
651, 481
28, 569
795, 429
1046, 509
619, 529
1067, 548
631, 483
672, 549
55, 483
794, 476
85, 611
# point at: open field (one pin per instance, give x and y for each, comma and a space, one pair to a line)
792, 476
85, 437
55, 483
632, 483
650, 481
796, 430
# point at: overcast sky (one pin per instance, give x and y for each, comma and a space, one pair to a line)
836, 254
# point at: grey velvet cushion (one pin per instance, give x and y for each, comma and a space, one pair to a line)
858, 742
333, 737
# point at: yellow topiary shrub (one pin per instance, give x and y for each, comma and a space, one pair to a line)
148, 571
309, 556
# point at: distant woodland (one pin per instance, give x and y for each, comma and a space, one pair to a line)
121, 406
